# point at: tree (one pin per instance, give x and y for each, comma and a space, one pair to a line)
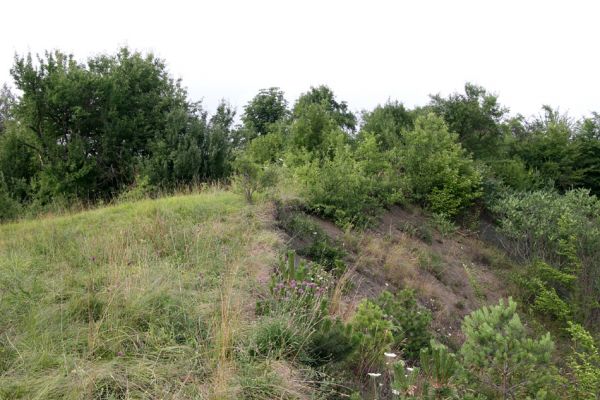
267, 107
97, 125
7, 103
388, 122
323, 96
547, 148
499, 358
476, 116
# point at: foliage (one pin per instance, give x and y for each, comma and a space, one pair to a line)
476, 116
500, 359
324, 97
267, 148
7, 103
353, 186
563, 231
584, 363
9, 207
387, 123
437, 171
332, 342
252, 177
435, 379
374, 337
92, 127
266, 108
410, 322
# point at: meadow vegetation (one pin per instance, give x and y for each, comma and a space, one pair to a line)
149, 249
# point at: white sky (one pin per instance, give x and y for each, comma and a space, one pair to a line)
529, 52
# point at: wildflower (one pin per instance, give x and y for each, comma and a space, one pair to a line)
390, 355
120, 354
396, 392
374, 374
409, 369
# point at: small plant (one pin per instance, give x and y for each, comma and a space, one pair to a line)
432, 263
477, 290
333, 341
297, 285
438, 366
410, 322
374, 337
420, 232
500, 359
252, 177
443, 224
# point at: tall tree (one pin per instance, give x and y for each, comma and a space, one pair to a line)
94, 122
323, 96
266, 108
476, 116
7, 103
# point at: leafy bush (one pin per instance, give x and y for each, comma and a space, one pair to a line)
564, 232
353, 186
437, 171
252, 177
410, 322
9, 207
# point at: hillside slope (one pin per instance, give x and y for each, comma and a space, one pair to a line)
156, 299
127, 301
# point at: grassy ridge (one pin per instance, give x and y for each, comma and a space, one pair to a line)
126, 301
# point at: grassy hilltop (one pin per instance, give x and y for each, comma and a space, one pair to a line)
130, 301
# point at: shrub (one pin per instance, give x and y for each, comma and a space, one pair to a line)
333, 341
9, 207
499, 358
374, 337
438, 172
563, 231
353, 186
584, 363
252, 177
410, 322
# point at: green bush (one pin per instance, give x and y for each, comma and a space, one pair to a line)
353, 186
374, 337
437, 171
563, 231
498, 357
333, 342
9, 207
584, 364
410, 322
252, 177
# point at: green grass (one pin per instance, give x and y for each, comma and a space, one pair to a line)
126, 301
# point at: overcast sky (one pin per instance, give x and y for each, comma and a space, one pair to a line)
528, 52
